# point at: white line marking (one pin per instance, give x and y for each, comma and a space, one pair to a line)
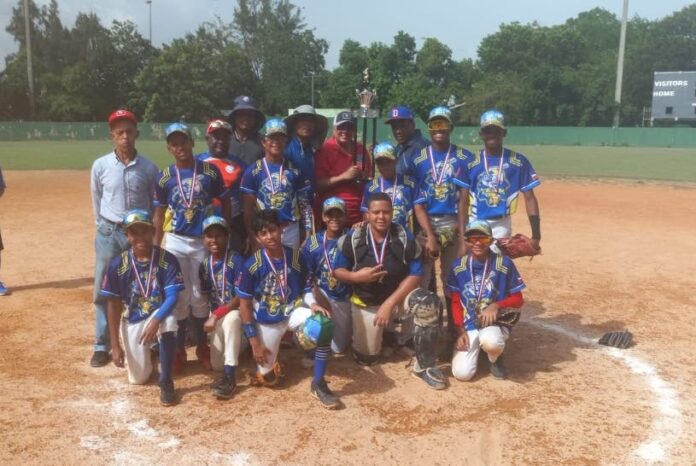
667, 426
93, 442
142, 430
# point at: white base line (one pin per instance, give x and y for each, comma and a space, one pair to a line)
667, 425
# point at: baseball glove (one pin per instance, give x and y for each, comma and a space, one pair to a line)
617, 339
269, 380
518, 246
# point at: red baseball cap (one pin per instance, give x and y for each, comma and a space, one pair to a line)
218, 124
122, 114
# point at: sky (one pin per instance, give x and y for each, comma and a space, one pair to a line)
460, 24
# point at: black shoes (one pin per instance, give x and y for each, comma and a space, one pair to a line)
321, 392
224, 387
167, 393
100, 359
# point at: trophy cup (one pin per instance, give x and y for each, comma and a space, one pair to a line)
366, 96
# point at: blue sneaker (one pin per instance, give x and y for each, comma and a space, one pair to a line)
3, 290
432, 376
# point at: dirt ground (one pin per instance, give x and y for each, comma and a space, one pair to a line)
616, 255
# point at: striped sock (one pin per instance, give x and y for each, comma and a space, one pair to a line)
321, 359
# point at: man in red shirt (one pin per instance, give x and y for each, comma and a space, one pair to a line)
341, 165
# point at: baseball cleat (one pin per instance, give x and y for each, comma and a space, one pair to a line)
321, 392
224, 387
432, 376
498, 370
100, 359
167, 393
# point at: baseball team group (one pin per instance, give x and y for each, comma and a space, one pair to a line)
278, 236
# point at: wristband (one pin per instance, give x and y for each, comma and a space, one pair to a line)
536, 228
249, 330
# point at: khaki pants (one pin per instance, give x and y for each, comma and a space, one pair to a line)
448, 254
139, 357
367, 337
226, 341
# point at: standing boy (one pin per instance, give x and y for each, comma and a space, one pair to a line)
145, 280
270, 286
183, 199
218, 274
484, 286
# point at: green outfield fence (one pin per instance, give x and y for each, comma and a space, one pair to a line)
521, 135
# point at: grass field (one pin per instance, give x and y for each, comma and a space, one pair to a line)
550, 161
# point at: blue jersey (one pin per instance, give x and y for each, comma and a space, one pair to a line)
319, 270
302, 157
496, 182
273, 302
439, 190
502, 280
231, 169
278, 192
219, 286
140, 299
402, 196
181, 217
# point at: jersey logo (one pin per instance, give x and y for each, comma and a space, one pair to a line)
515, 159
462, 265
257, 262
166, 176
125, 264
313, 243
257, 168
422, 156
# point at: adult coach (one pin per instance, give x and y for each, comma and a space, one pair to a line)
120, 181
341, 164
246, 120
497, 176
410, 141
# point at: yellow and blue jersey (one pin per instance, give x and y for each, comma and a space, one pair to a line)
212, 283
317, 268
402, 199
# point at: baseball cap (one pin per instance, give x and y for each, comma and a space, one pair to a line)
493, 118
346, 116
478, 226
334, 203
275, 126
122, 114
137, 216
178, 127
385, 150
440, 112
214, 220
218, 124
399, 112
245, 102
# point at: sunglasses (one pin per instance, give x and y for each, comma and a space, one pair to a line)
439, 125
485, 240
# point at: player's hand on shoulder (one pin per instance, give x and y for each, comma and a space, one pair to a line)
117, 355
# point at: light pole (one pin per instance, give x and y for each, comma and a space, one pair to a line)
149, 4
30, 71
311, 75
620, 64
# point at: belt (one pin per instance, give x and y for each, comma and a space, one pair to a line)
115, 224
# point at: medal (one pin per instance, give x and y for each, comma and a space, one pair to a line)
146, 289
282, 280
188, 203
276, 197
332, 282
440, 188
495, 192
379, 255
219, 287
478, 294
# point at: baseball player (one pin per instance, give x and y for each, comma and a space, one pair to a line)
319, 253
410, 141
231, 168
400, 188
184, 197
497, 176
141, 286
3, 288
120, 181
275, 183
218, 273
270, 287
483, 285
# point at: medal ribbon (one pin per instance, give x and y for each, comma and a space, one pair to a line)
379, 256
147, 289
188, 203
438, 178
499, 178
270, 179
479, 293
326, 255
393, 195
219, 289
282, 281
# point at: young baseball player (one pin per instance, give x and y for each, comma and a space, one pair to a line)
3, 289
141, 286
483, 284
497, 176
271, 286
218, 274
231, 168
184, 197
275, 183
399, 187
381, 260
319, 253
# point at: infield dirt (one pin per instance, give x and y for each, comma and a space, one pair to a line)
616, 255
